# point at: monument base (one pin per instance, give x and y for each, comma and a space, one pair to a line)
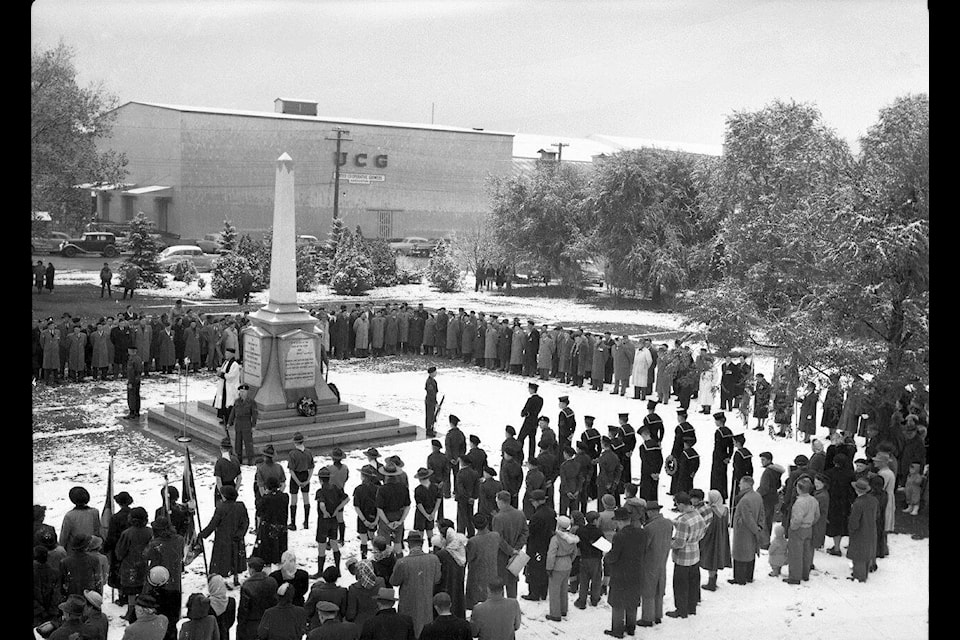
334, 425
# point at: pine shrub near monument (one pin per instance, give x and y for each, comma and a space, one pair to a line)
229, 236
351, 270
384, 262
145, 252
306, 270
183, 271
326, 252
225, 280
257, 253
442, 272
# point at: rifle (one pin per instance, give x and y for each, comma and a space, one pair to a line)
439, 405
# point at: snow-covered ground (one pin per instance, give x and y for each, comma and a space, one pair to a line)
73, 434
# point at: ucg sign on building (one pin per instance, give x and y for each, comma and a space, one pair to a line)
360, 160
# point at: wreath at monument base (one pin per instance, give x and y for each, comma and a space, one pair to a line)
307, 406
671, 465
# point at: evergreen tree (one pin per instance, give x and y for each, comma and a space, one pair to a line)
228, 237
225, 282
324, 255
442, 271
351, 270
257, 254
145, 250
306, 269
383, 261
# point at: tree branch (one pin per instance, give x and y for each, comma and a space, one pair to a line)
875, 330
766, 346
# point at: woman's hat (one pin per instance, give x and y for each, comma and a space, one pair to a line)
95, 543
563, 523
158, 576
123, 498
422, 473
160, 524
94, 598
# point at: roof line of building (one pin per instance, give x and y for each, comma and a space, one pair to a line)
324, 119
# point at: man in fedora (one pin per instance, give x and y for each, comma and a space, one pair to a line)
365, 504
150, 624
427, 498
530, 413
415, 575
243, 419
387, 624
166, 550
300, 466
393, 505
339, 473
862, 528
431, 401
540, 529
658, 533
749, 521
72, 608
624, 564
229, 375
95, 624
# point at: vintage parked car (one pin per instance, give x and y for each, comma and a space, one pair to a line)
49, 243
171, 255
102, 242
413, 247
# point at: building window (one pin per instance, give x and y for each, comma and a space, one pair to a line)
161, 206
104, 206
385, 228
128, 203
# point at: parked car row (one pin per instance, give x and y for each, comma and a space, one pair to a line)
414, 246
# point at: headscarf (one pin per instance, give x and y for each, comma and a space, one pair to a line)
456, 546
716, 503
217, 589
288, 566
365, 574
437, 541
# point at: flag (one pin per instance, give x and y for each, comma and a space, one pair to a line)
107, 512
190, 542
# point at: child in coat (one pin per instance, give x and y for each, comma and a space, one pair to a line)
913, 489
778, 550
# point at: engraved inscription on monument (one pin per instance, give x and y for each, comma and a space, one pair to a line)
252, 373
300, 366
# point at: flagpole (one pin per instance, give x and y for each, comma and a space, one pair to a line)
166, 498
196, 503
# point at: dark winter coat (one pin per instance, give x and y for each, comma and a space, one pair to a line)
285, 621
862, 526
79, 571
299, 583
715, 544
166, 550
415, 576
832, 406
452, 577
748, 522
387, 624
79, 521
841, 498
542, 524
323, 591
362, 603
820, 526
46, 593
226, 619
230, 521
482, 551
257, 594
133, 566
624, 563
808, 413
272, 534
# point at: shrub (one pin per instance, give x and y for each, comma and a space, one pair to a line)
384, 263
144, 250
228, 237
351, 271
257, 254
442, 272
183, 270
225, 281
326, 252
306, 269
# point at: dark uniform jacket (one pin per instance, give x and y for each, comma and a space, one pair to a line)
566, 425
440, 465
455, 444
466, 485
478, 459
687, 465
511, 476
243, 414
655, 423
257, 594
651, 462
531, 413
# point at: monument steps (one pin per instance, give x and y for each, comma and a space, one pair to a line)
360, 426
322, 409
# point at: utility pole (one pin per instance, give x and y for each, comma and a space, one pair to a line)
341, 132
432, 105
560, 146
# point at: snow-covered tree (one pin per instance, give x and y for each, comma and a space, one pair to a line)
229, 236
351, 272
442, 271
145, 251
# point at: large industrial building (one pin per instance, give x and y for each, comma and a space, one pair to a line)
190, 168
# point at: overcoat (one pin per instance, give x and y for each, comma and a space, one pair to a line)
418, 329
440, 328
852, 408
403, 326
545, 352
664, 376
715, 543
531, 347
143, 338
808, 413
862, 525
392, 331
600, 354
361, 329
78, 343
832, 406
504, 341
841, 498
129, 551
430, 331
378, 328
623, 356
482, 551
518, 339
581, 356
490, 336
453, 333
100, 349
705, 388
451, 582
564, 349
659, 536
624, 563
542, 524
468, 332
416, 575
642, 361
230, 522
191, 345
166, 355
748, 522
761, 399
819, 532
272, 534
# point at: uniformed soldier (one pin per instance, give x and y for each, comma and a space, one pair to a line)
510, 444
687, 465
476, 455
530, 413
548, 439
722, 452
566, 423
365, 504
511, 473
654, 421
226, 471
438, 463
608, 472
134, 371
243, 418
454, 443
431, 401
742, 465
651, 462
629, 437
588, 476
300, 466
681, 431
570, 476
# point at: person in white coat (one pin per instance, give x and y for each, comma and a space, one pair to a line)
229, 374
641, 367
705, 365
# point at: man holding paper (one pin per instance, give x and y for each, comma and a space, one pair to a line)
510, 523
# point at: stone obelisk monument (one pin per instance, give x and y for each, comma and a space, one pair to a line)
281, 346
281, 364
